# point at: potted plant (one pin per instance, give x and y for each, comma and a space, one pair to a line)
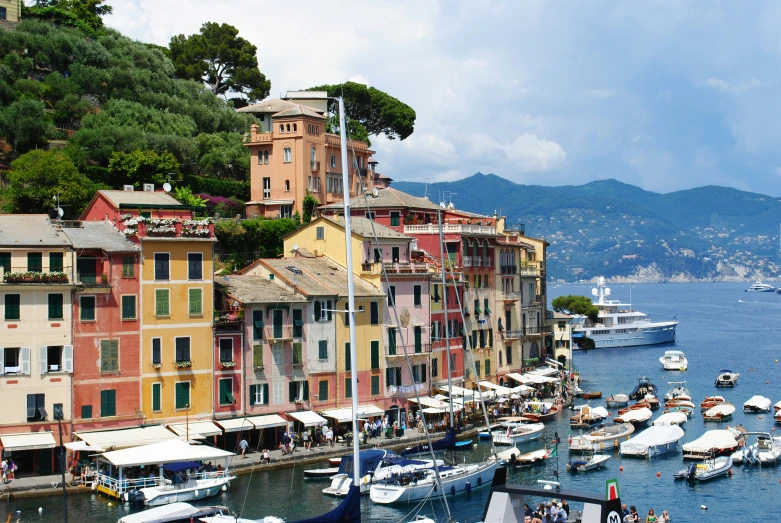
185, 364
104, 279
157, 366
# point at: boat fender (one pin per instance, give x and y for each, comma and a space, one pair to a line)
479, 481
225, 488
208, 492
197, 493
453, 490
469, 487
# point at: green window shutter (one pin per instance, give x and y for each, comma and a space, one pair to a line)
347, 360
55, 262
109, 355
265, 394
5, 261
298, 353
374, 313
196, 301
322, 349
87, 312
487, 367
161, 302
482, 339
291, 391
108, 403
391, 342
490, 338
323, 391
329, 310
34, 262
417, 295
156, 388
298, 323
257, 325
182, 391
226, 391
375, 385
104, 355
253, 389
375, 356
12, 308
485, 306
348, 388
418, 339
474, 339
306, 391
128, 307
477, 306
128, 266
257, 355
477, 368
86, 411
55, 306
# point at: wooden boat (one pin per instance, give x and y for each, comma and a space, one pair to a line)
592, 395
712, 468
721, 412
719, 442
637, 406
589, 461
679, 403
326, 473
535, 457
603, 437
711, 401
588, 416
637, 417
541, 411
653, 403
617, 401
727, 378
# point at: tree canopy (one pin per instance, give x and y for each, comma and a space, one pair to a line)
218, 56
84, 14
376, 111
575, 304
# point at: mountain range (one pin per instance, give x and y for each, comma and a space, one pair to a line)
613, 229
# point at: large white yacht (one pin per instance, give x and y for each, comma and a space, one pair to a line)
758, 286
620, 325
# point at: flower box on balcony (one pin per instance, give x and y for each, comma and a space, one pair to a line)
184, 364
157, 366
227, 364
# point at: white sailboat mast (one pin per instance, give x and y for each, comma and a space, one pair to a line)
443, 248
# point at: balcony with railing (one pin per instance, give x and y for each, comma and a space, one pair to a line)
276, 333
168, 228
512, 334
229, 318
508, 269
406, 268
511, 297
449, 228
36, 276
528, 270
413, 349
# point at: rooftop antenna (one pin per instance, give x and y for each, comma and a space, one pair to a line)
449, 195
425, 195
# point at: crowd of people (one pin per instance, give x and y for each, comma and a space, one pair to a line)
630, 515
556, 511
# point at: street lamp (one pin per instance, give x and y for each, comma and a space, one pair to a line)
58, 415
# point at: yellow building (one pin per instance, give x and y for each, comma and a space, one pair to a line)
176, 300
11, 10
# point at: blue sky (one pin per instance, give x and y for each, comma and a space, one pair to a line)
665, 95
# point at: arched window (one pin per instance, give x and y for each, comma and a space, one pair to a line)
288, 155
295, 127
313, 156
287, 128
317, 130
265, 157
287, 185
281, 128
260, 157
474, 252
485, 252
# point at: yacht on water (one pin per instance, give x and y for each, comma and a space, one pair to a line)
758, 286
621, 326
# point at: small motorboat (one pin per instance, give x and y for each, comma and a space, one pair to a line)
535, 457
677, 390
617, 401
591, 395
652, 402
637, 406
778, 416
588, 416
589, 461
637, 417
767, 449
674, 360
464, 445
653, 441
540, 411
758, 286
711, 401
178, 512
687, 407
334, 462
577, 392
711, 468
513, 430
757, 404
603, 437
727, 378
643, 387
324, 473
721, 412
719, 442
777, 406
670, 418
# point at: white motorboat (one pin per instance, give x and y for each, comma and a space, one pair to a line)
179, 512
778, 416
670, 418
757, 404
777, 406
712, 468
605, 437
719, 442
674, 360
588, 416
514, 431
727, 378
722, 412
637, 417
619, 325
177, 478
514, 458
374, 465
758, 286
589, 461
617, 401
677, 390
766, 449
653, 441
422, 484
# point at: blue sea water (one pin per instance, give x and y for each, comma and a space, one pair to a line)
721, 326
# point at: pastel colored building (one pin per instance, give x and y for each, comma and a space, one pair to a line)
291, 153
176, 300
36, 352
10, 10
106, 327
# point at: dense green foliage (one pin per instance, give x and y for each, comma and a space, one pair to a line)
574, 304
227, 188
222, 59
370, 111
241, 242
110, 99
309, 204
84, 14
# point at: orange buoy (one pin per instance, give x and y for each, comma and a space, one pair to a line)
658, 474
621, 468
729, 473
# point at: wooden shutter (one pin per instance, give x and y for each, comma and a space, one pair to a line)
24, 360
31, 407
318, 310
375, 381
329, 309
374, 307
392, 341
435, 367
416, 290
195, 266
306, 391
323, 349
67, 358
128, 266
291, 391
156, 390
196, 301
252, 391
114, 354
375, 354
490, 337
265, 394
323, 392
487, 367
43, 355
418, 339
161, 302
347, 360
55, 262
257, 355
348, 388
257, 325
157, 353
161, 266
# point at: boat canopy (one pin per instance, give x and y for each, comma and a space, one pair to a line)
368, 460
758, 402
651, 437
346, 414
639, 415
28, 441
725, 409
307, 417
726, 370
670, 418
713, 439
170, 512
121, 439
165, 452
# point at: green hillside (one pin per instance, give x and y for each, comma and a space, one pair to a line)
611, 228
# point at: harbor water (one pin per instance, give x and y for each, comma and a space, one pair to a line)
721, 326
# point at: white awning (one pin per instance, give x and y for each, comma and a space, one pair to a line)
267, 421
537, 379
166, 452
432, 410
204, 428
459, 391
27, 441
120, 439
519, 378
346, 414
428, 401
81, 446
307, 417
502, 391
235, 424
544, 371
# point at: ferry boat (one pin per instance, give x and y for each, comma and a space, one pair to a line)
620, 325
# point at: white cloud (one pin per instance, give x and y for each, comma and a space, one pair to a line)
534, 154
728, 88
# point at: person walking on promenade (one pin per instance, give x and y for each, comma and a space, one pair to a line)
243, 445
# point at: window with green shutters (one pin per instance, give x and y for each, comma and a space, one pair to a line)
474, 339
156, 397
194, 266
391, 341
86, 308
87, 269
487, 367
298, 323
477, 368
108, 403
129, 307
182, 395
258, 394
257, 325
34, 262
55, 262
485, 306
5, 261
322, 350
347, 359
482, 339
417, 300
226, 391
490, 338
182, 348
348, 388
162, 306
394, 218
109, 355
298, 353
477, 307
257, 355
323, 391
375, 354
12, 309
157, 351
375, 385
55, 306
86, 411
128, 266
374, 313
418, 330
196, 301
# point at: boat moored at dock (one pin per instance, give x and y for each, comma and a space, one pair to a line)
674, 360
653, 441
604, 437
757, 404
